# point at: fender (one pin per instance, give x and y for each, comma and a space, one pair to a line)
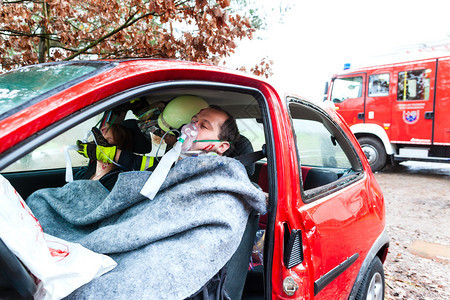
376, 130
382, 240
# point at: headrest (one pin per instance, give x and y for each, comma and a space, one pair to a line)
243, 146
141, 144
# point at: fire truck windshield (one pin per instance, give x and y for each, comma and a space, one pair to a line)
347, 87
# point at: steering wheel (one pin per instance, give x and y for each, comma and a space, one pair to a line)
13, 274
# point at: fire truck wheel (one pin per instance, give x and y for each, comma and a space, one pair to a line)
374, 151
372, 286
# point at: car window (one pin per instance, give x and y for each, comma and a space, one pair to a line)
317, 146
253, 131
51, 155
325, 155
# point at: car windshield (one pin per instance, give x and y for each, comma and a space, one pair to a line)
25, 84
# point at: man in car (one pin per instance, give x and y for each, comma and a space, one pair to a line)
188, 201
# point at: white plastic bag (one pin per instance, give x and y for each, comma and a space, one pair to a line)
60, 266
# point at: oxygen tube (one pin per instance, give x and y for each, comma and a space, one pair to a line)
184, 143
69, 172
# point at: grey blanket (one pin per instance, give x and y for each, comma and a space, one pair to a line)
166, 248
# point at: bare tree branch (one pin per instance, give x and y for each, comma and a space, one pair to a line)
195, 30
130, 21
22, 1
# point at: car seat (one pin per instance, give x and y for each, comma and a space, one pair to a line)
235, 271
318, 177
243, 147
229, 282
141, 144
237, 266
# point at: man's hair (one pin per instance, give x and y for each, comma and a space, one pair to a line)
122, 136
228, 131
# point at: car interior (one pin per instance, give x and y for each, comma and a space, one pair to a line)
40, 167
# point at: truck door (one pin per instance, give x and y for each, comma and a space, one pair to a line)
413, 110
348, 96
441, 134
379, 98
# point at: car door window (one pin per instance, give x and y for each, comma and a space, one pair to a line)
253, 131
317, 146
51, 155
326, 157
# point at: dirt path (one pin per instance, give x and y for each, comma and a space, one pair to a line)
418, 220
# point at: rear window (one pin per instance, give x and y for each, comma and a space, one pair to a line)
317, 146
26, 86
414, 85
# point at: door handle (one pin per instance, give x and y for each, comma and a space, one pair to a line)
429, 115
360, 116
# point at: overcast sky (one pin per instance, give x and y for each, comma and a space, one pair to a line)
318, 36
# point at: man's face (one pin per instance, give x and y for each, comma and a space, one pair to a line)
208, 122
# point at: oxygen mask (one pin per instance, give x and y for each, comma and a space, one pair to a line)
187, 137
189, 134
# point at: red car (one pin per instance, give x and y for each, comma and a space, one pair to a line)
324, 234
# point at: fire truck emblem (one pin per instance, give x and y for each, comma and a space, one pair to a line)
411, 117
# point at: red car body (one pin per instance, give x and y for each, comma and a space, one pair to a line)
341, 227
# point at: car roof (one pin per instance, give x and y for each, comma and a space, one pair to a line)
114, 77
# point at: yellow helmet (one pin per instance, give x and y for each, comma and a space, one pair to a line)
179, 111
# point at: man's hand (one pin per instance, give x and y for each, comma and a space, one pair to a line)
103, 151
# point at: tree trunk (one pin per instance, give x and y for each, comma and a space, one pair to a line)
43, 43
42, 48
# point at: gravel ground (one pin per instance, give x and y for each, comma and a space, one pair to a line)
417, 199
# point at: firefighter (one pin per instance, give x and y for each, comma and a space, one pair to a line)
178, 111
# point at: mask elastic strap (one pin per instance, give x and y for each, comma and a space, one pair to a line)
196, 141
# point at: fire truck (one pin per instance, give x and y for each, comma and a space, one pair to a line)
398, 112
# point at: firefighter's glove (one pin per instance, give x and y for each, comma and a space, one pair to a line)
102, 151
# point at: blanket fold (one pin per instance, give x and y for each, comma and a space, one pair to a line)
166, 248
